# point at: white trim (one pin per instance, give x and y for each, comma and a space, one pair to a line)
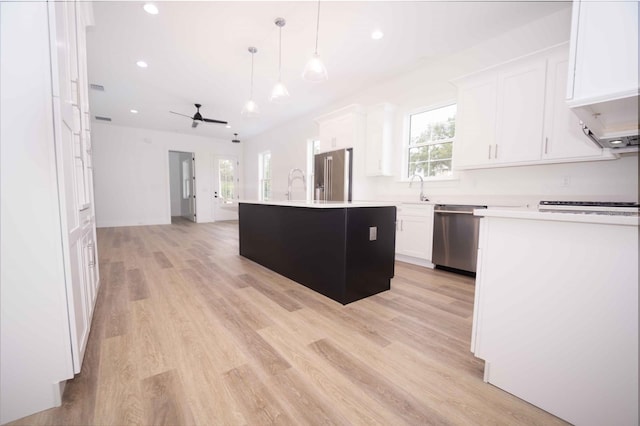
414, 261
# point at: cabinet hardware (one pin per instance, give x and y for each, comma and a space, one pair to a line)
496, 153
546, 144
489, 157
92, 252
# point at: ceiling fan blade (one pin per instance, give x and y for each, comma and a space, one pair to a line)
184, 115
208, 120
194, 124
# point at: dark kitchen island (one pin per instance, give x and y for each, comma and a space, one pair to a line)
342, 250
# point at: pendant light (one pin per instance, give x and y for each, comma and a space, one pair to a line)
279, 93
315, 70
251, 109
235, 139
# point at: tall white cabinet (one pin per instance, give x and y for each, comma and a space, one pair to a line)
48, 257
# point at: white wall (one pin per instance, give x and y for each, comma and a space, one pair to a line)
428, 84
131, 173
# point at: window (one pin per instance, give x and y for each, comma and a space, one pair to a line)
313, 147
226, 178
264, 169
186, 180
431, 135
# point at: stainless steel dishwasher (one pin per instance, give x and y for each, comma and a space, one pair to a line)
455, 236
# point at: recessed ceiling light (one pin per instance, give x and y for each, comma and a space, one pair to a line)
142, 64
228, 126
133, 111
616, 142
151, 8
377, 35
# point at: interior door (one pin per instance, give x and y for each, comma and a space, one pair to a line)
225, 188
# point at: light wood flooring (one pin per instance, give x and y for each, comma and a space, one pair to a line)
186, 331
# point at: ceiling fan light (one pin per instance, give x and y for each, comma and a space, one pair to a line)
315, 70
250, 109
279, 94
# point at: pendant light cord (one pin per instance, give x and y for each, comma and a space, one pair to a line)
280, 57
251, 94
317, 27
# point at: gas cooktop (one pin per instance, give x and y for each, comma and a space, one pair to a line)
621, 208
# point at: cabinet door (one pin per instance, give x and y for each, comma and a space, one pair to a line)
475, 122
520, 112
379, 136
563, 134
605, 45
78, 293
337, 133
414, 236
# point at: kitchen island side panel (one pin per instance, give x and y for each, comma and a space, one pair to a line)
304, 244
370, 259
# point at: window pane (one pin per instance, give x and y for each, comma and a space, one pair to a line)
266, 193
418, 158
440, 151
440, 168
226, 177
434, 125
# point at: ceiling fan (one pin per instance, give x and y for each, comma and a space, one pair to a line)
198, 118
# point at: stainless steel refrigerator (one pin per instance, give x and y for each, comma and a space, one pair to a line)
332, 175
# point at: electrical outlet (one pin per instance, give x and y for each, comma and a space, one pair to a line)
566, 181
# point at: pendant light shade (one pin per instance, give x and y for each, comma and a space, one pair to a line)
315, 70
279, 94
251, 109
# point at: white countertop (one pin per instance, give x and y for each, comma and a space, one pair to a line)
322, 204
560, 217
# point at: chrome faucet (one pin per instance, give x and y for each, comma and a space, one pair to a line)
422, 196
291, 178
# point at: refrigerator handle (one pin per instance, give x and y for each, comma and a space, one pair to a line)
326, 177
330, 180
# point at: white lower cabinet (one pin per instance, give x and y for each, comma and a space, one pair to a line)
556, 315
414, 234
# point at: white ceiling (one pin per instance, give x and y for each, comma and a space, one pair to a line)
197, 53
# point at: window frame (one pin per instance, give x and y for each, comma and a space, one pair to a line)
406, 144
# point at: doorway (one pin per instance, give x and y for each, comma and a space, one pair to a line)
182, 185
225, 187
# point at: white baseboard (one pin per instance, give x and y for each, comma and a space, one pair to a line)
414, 261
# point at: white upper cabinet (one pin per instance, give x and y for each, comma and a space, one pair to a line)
604, 51
379, 139
342, 128
476, 121
515, 114
603, 66
520, 111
